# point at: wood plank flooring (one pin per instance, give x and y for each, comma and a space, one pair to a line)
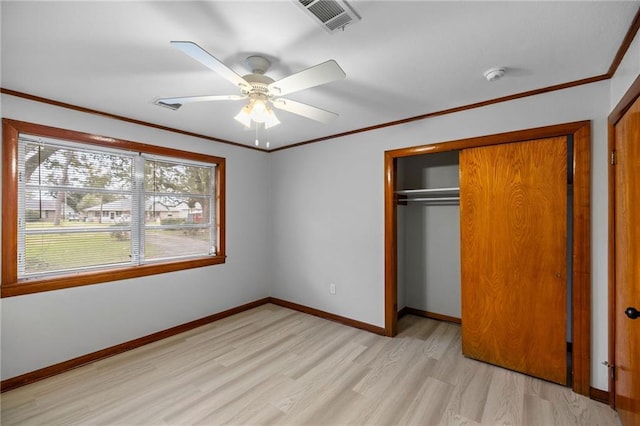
272, 365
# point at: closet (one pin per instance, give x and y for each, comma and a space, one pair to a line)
429, 235
494, 232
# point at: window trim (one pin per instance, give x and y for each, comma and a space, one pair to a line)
12, 286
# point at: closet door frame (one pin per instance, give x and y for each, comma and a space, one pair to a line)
581, 261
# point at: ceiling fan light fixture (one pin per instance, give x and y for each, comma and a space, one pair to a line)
271, 120
258, 110
244, 116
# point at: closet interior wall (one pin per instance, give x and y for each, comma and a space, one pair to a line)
428, 235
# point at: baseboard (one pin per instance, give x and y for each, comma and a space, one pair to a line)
52, 370
328, 316
413, 311
599, 395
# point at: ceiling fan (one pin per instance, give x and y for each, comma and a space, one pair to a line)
261, 90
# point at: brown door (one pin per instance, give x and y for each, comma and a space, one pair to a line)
627, 266
513, 213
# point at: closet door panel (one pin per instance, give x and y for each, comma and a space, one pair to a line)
513, 213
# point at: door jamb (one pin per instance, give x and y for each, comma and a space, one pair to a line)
581, 299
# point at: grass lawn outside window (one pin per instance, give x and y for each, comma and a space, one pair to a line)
82, 209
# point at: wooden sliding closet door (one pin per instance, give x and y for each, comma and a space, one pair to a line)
513, 213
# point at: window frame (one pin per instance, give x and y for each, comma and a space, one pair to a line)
12, 286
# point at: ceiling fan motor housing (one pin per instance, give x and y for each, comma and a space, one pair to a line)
259, 84
257, 64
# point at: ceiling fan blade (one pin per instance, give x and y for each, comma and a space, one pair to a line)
175, 103
305, 110
211, 62
323, 73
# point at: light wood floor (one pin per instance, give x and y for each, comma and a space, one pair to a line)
271, 365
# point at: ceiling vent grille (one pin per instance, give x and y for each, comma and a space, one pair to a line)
332, 14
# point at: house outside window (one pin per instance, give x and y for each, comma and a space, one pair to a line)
86, 207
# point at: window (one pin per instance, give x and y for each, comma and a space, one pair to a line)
81, 209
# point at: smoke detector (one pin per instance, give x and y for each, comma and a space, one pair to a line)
494, 74
332, 15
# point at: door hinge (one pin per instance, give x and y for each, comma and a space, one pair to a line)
614, 160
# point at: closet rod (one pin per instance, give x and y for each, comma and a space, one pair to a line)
433, 199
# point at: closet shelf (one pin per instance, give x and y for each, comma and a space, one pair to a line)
429, 195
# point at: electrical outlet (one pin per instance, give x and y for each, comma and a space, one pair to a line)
332, 289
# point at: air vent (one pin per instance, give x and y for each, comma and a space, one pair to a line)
332, 15
167, 105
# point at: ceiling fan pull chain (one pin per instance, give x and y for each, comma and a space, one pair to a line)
267, 137
257, 141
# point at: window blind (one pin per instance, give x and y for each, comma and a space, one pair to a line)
83, 207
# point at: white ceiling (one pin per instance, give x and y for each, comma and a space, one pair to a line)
403, 59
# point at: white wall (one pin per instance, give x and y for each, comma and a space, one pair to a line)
626, 73
328, 205
42, 329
